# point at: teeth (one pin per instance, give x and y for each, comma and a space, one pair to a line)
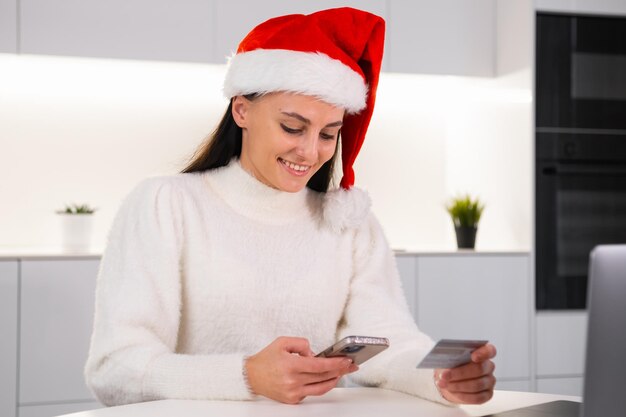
295, 167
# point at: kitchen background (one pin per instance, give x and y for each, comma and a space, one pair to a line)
95, 96
77, 129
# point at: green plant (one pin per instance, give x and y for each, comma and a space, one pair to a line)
77, 209
465, 211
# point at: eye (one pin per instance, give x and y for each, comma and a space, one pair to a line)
290, 130
327, 136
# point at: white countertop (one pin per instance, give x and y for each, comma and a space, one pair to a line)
48, 252
340, 402
459, 252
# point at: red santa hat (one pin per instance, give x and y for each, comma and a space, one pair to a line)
334, 55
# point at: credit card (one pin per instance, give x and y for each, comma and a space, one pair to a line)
450, 353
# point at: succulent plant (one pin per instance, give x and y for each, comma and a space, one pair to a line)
77, 209
465, 211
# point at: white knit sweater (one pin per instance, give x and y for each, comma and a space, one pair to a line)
204, 269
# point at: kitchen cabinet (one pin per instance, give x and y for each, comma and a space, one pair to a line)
231, 25
561, 343
563, 386
8, 26
407, 265
56, 409
605, 7
56, 310
442, 37
475, 296
8, 339
138, 29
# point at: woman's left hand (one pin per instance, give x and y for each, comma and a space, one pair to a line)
472, 383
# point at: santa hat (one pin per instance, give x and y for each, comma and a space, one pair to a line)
334, 55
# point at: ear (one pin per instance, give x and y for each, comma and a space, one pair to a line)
240, 108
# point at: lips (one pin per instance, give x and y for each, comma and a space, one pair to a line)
295, 169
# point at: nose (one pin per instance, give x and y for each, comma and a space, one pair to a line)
307, 146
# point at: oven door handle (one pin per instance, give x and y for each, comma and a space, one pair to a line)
564, 171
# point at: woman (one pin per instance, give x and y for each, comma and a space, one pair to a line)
224, 281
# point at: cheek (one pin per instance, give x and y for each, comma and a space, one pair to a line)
327, 149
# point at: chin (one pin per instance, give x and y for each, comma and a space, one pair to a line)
292, 188
290, 185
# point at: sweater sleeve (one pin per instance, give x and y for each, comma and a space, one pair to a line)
132, 357
377, 307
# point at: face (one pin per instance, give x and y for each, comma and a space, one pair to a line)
286, 137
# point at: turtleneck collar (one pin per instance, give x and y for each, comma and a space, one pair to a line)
251, 198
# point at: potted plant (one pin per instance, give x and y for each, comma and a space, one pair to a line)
465, 213
76, 226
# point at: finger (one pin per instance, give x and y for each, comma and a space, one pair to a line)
472, 386
320, 388
468, 371
311, 378
475, 398
320, 365
297, 345
484, 353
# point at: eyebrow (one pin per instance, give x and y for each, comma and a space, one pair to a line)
308, 122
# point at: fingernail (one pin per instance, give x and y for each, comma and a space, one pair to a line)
445, 375
347, 362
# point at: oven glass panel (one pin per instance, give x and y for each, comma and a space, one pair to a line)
598, 76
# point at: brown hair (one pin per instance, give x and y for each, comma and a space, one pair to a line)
225, 143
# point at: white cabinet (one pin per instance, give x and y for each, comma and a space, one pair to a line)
610, 7
472, 296
407, 267
231, 25
8, 26
8, 336
561, 386
561, 344
442, 37
57, 307
137, 29
56, 409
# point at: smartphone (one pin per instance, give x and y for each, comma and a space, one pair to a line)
357, 348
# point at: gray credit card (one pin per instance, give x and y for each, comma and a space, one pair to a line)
450, 353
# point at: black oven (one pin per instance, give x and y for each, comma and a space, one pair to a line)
580, 144
581, 72
580, 203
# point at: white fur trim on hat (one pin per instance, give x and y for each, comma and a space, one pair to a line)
310, 73
345, 209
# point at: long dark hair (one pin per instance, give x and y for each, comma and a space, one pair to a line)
225, 143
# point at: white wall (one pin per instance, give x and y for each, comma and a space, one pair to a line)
87, 130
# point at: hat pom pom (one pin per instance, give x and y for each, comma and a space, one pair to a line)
345, 209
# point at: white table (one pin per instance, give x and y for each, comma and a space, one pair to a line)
340, 402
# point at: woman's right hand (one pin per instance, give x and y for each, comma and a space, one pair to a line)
288, 371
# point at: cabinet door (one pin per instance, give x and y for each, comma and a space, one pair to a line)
231, 25
8, 26
561, 386
8, 338
136, 29
57, 307
561, 344
57, 409
479, 297
442, 37
407, 269
608, 7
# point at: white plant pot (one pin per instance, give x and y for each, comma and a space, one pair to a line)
76, 231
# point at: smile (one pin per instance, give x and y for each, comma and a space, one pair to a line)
299, 169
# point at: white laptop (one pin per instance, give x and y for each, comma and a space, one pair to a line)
605, 365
